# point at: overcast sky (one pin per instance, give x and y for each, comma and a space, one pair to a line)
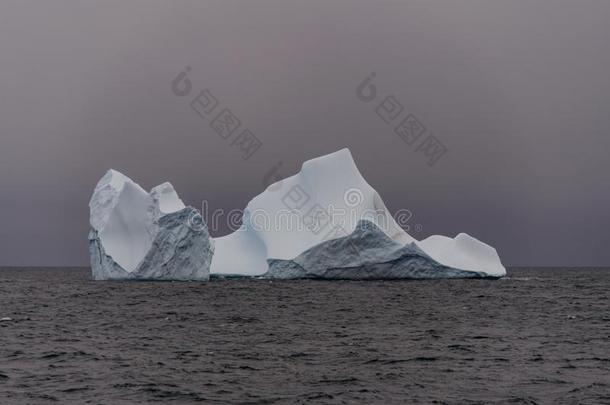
517, 91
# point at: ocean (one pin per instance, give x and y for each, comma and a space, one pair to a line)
538, 336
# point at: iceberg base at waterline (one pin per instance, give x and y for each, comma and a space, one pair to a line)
366, 254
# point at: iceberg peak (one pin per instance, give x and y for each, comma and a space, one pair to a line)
166, 199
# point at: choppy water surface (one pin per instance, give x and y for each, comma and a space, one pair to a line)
538, 336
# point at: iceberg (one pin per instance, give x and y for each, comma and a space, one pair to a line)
324, 222
328, 222
145, 236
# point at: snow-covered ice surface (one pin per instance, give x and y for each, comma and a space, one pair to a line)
333, 186
140, 235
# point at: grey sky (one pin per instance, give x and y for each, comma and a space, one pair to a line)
518, 91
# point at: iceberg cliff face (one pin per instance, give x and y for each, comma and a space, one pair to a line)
140, 235
325, 201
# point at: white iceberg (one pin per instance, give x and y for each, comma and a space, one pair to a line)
327, 200
324, 222
139, 235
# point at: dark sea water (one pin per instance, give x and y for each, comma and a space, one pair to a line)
540, 336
